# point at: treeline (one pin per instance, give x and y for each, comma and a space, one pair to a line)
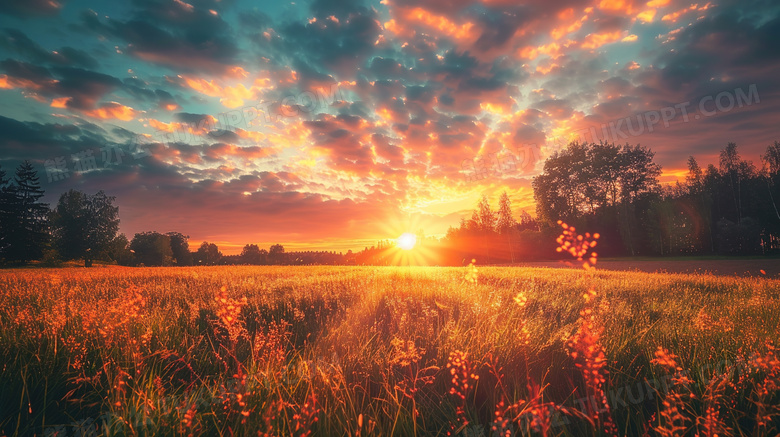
85, 227
172, 249
727, 209
493, 236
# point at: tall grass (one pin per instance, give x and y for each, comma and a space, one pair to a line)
367, 351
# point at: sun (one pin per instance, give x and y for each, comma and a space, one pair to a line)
407, 241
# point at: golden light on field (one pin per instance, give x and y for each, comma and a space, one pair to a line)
407, 241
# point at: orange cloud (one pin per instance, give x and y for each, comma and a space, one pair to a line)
646, 16
223, 150
7, 82
250, 135
658, 3
552, 50
162, 126
570, 24
674, 16
625, 6
113, 110
230, 96
196, 129
442, 24
596, 40
546, 67
61, 102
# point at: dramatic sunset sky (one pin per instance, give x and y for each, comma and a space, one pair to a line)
330, 124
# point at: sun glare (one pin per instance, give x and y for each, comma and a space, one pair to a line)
407, 241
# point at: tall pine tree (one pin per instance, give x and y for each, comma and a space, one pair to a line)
506, 225
6, 213
28, 233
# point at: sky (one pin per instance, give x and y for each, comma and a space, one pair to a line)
331, 124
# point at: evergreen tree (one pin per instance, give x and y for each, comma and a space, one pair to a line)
487, 218
506, 224
6, 213
695, 177
29, 228
487, 222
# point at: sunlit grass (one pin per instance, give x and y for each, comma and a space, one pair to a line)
365, 350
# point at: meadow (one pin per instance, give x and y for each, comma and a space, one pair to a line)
373, 351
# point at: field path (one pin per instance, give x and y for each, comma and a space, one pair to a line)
744, 268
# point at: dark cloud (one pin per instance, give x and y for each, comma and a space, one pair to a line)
225, 136
144, 91
729, 43
16, 41
39, 142
386, 68
186, 117
340, 46
30, 8
82, 88
500, 25
338, 8
254, 20
25, 71
177, 35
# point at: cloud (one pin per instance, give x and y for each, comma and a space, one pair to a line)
16, 41
112, 110
30, 8
178, 35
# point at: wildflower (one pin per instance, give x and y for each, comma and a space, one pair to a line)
405, 353
229, 313
585, 347
307, 416
673, 417
463, 380
578, 245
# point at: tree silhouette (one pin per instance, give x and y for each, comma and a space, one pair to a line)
119, 250
6, 214
506, 225
276, 254
27, 230
252, 254
771, 175
180, 248
152, 249
208, 254
84, 225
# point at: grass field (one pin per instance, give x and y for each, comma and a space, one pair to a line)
365, 351
763, 267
